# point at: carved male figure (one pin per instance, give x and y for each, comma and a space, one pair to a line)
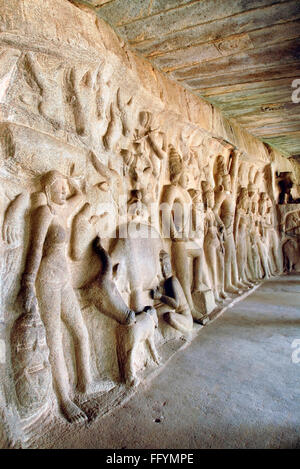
270, 234
258, 242
172, 295
241, 234
196, 243
176, 219
213, 244
225, 209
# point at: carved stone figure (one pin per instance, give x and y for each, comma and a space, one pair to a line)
269, 234
110, 175
213, 244
130, 337
172, 296
84, 228
136, 209
258, 238
117, 120
176, 223
291, 253
44, 77
242, 235
201, 277
147, 209
114, 127
253, 257
47, 280
82, 88
285, 185
103, 292
135, 254
143, 159
290, 222
149, 141
32, 372
12, 236
225, 209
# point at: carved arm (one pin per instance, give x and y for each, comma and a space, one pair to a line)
42, 220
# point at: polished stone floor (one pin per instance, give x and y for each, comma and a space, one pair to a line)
234, 386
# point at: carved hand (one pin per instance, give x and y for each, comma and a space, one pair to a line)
29, 299
156, 293
11, 226
221, 227
10, 232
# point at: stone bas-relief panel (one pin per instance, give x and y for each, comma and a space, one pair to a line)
124, 226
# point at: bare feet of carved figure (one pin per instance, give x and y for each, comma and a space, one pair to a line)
73, 413
197, 315
247, 284
132, 381
266, 277
220, 296
204, 320
234, 290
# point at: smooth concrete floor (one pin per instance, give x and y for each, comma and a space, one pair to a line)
234, 386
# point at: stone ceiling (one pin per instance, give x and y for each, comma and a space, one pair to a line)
240, 55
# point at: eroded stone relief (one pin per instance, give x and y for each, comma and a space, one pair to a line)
123, 226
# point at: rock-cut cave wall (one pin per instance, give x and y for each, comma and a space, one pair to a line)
130, 211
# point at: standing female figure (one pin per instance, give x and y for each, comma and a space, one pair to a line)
47, 280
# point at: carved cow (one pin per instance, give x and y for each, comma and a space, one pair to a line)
137, 257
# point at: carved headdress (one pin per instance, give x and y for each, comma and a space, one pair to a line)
175, 164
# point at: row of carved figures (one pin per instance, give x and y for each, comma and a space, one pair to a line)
234, 240
229, 238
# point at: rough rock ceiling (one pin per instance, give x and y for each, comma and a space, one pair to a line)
240, 55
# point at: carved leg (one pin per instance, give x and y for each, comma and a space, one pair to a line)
152, 349
277, 253
180, 322
228, 262
121, 352
50, 308
264, 260
221, 278
234, 266
130, 375
181, 264
241, 258
200, 272
215, 263
72, 316
250, 261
